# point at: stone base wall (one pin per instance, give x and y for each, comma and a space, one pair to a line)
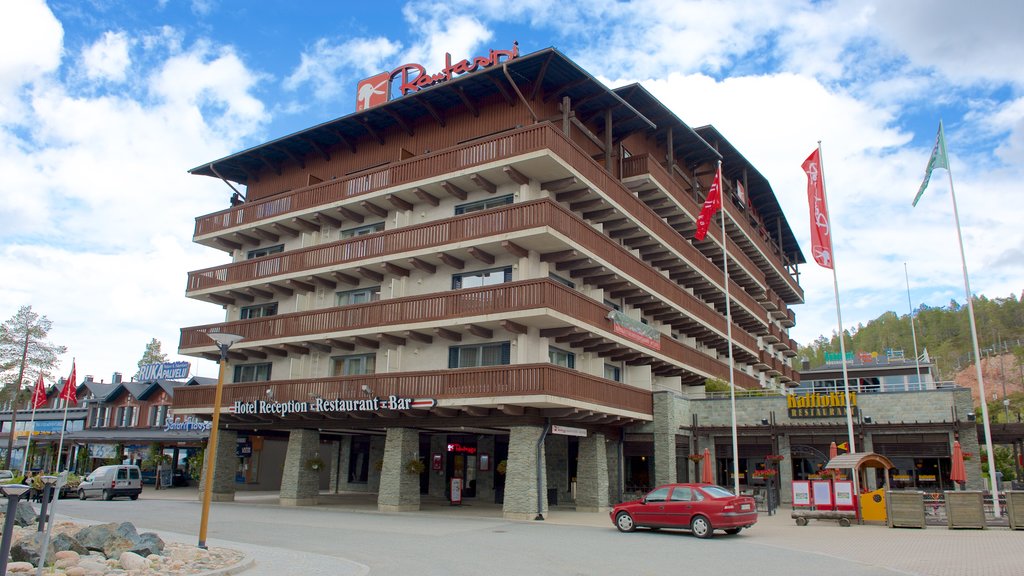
224, 473
592, 477
300, 485
521, 475
399, 489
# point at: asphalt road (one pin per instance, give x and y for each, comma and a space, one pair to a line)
319, 540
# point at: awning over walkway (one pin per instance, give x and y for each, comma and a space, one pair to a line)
858, 460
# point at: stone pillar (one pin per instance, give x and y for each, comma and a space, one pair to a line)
485, 478
615, 471
299, 484
592, 475
666, 427
556, 459
399, 490
785, 471
438, 445
376, 462
521, 475
227, 465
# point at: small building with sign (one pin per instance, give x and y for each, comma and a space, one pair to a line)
480, 258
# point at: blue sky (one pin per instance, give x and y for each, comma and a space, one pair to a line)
105, 104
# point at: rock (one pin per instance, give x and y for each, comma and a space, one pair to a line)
132, 561
94, 537
62, 554
65, 544
113, 547
27, 550
127, 530
66, 562
148, 543
75, 571
25, 514
20, 567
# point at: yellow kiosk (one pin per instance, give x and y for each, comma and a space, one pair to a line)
872, 504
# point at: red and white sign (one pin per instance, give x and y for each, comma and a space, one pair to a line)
821, 239
568, 431
844, 495
801, 494
373, 91
821, 491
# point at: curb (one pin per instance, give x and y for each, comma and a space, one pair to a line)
244, 564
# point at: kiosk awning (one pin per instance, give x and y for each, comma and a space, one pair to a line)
858, 460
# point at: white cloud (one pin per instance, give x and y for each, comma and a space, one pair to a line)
328, 68
30, 48
107, 59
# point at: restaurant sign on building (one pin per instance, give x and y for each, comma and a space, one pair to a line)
832, 405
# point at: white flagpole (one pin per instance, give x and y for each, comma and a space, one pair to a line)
728, 331
64, 424
28, 442
977, 353
913, 331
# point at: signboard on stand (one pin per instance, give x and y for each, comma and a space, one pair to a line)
456, 491
821, 491
801, 494
844, 495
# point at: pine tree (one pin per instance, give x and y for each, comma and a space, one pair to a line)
152, 355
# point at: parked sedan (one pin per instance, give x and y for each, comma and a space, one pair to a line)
700, 508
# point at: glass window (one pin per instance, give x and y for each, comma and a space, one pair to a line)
260, 252
659, 495
561, 280
560, 357
362, 230
253, 372
613, 372
483, 204
122, 473
354, 364
157, 415
358, 296
681, 494
259, 311
359, 460
482, 278
614, 305
477, 355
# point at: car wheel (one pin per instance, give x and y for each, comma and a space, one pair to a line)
81, 494
624, 522
134, 496
701, 527
107, 495
732, 531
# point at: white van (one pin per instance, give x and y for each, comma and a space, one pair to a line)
111, 481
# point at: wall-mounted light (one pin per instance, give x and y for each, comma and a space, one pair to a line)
367, 390
764, 421
970, 417
867, 419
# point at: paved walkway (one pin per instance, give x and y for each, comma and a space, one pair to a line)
933, 551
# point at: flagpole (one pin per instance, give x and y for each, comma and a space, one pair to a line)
913, 331
28, 442
728, 331
974, 340
64, 424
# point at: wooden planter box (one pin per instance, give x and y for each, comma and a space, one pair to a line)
965, 509
1015, 509
905, 509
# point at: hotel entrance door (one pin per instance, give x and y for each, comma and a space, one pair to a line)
462, 463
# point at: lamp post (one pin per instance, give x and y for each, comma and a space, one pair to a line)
224, 342
48, 483
13, 493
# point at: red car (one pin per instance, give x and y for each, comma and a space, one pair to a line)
701, 508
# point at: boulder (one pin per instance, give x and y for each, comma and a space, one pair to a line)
148, 543
20, 567
94, 537
62, 554
27, 550
63, 545
116, 545
132, 561
127, 530
25, 514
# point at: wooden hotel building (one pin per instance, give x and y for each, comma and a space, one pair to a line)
491, 279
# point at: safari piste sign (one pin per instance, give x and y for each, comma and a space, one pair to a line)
376, 89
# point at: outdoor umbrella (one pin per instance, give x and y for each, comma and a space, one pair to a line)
833, 451
959, 473
707, 474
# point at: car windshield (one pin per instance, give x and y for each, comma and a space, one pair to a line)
717, 491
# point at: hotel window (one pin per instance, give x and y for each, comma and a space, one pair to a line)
362, 230
157, 415
476, 355
613, 372
613, 305
360, 296
259, 311
483, 204
560, 357
561, 280
253, 372
482, 278
353, 365
126, 416
260, 252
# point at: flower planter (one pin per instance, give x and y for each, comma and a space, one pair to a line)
965, 509
905, 509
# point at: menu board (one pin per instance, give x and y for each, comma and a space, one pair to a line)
844, 495
822, 492
801, 493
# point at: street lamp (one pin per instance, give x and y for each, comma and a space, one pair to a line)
224, 342
48, 483
13, 492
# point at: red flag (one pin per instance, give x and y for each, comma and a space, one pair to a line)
70, 392
711, 205
821, 240
39, 394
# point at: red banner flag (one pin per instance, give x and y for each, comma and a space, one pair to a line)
821, 240
711, 205
39, 394
70, 392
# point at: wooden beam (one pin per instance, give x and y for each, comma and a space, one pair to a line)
399, 120
419, 336
305, 225
560, 184
236, 355
259, 293
221, 299
325, 283
539, 81
282, 290
392, 339
512, 410
346, 279
269, 236
426, 196
370, 129
293, 349
343, 139
588, 204
319, 347
316, 146
270, 350
451, 261
513, 327
340, 345
480, 331
325, 220
515, 175
514, 249
484, 183
241, 296
454, 190
370, 274
572, 195
284, 230
481, 255
399, 203
504, 90
448, 334
300, 285
351, 215
366, 342
558, 332
422, 265
395, 270
228, 245
438, 116
560, 256
478, 411
245, 239
374, 209
466, 101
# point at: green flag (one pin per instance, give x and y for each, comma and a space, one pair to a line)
938, 160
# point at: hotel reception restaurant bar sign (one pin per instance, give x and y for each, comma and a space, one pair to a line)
635, 330
832, 405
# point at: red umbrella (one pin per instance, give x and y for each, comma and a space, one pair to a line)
833, 451
707, 473
959, 472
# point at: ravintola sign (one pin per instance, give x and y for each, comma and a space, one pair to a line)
283, 409
820, 405
376, 90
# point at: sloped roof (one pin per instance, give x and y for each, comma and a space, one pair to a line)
857, 460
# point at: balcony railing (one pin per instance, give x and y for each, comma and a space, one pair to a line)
491, 382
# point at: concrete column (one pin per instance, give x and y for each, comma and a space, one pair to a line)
666, 427
376, 463
485, 478
556, 459
399, 490
227, 465
592, 475
438, 484
521, 475
299, 484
